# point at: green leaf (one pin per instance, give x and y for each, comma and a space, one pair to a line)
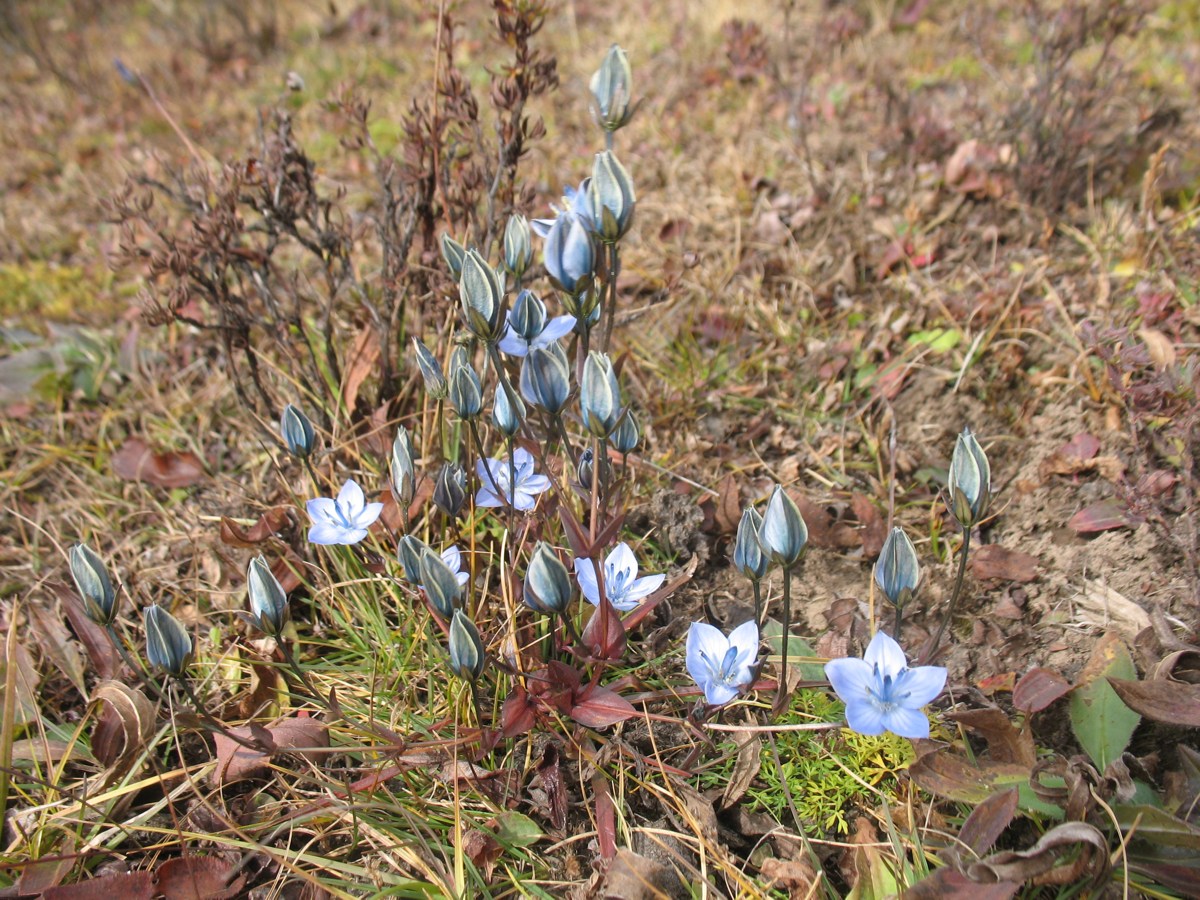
799, 651
1103, 724
516, 830
939, 340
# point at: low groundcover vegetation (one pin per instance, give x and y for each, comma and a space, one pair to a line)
512, 547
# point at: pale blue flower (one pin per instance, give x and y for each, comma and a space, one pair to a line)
621, 583
521, 491
515, 344
882, 693
452, 557
344, 520
721, 666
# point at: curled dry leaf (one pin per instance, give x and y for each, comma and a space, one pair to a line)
268, 525
198, 876
745, 769
1073, 853
124, 727
135, 461
1173, 702
1006, 743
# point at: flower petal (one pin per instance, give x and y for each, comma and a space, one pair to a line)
851, 678
522, 457
452, 557
921, 685
326, 533
704, 645
559, 326
512, 343
717, 694
909, 723
585, 574
744, 637
535, 484
865, 717
525, 501
322, 509
886, 653
366, 518
350, 498
486, 498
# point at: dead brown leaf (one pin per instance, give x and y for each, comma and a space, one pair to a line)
135, 461
198, 878
56, 644
1038, 688
360, 363
124, 726
796, 876
1173, 702
873, 530
631, 876
745, 769
994, 561
1006, 743
126, 885
269, 524
236, 762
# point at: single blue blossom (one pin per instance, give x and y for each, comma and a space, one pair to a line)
515, 344
621, 583
721, 666
452, 557
520, 491
344, 520
882, 693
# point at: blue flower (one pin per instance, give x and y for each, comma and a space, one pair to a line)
452, 557
621, 584
515, 344
521, 491
344, 520
882, 693
721, 666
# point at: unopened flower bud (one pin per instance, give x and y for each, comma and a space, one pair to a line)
297, 432
95, 587
268, 600
450, 489
782, 533
898, 571
528, 316
168, 644
547, 583
970, 480
518, 246
466, 648
546, 378
440, 583
748, 556
453, 253
466, 393
569, 255
408, 550
611, 196
599, 395
431, 371
505, 416
627, 434
482, 296
401, 467
610, 86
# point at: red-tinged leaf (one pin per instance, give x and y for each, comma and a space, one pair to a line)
287, 570
1081, 446
648, 605
947, 883
606, 817
994, 561
893, 255
100, 651
1156, 483
517, 716
269, 524
891, 380
236, 761
1104, 515
549, 773
198, 878
135, 461
604, 634
1038, 688
988, 820
1173, 702
947, 775
599, 707
126, 885
1006, 743
993, 684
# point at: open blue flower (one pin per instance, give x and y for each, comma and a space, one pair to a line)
721, 666
621, 583
344, 520
882, 693
515, 344
521, 491
452, 557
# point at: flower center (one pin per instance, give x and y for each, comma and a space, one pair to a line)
724, 672
618, 582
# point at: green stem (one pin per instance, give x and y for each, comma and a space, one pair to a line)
483, 457
958, 583
758, 620
787, 626
610, 305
